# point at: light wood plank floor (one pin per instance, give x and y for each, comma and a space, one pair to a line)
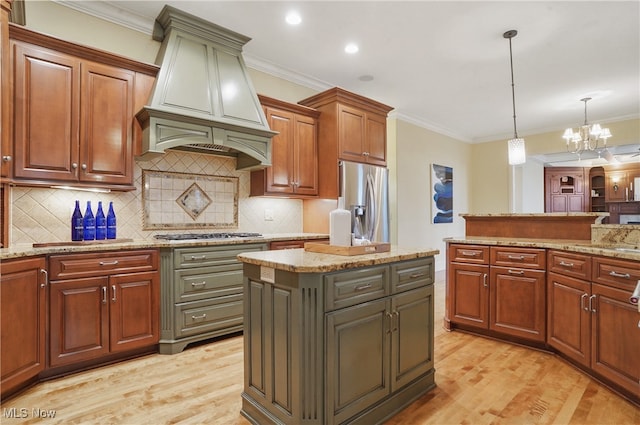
479, 381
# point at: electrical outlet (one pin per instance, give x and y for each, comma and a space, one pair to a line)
268, 214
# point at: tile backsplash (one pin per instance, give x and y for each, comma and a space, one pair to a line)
43, 215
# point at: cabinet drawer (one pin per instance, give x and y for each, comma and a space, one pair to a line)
209, 315
207, 282
354, 287
477, 254
623, 274
569, 264
212, 255
528, 258
70, 266
411, 274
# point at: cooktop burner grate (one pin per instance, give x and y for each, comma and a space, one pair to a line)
217, 235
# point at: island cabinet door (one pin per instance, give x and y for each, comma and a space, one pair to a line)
615, 337
517, 300
357, 358
568, 317
469, 294
411, 335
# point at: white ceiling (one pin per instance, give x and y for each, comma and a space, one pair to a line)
442, 65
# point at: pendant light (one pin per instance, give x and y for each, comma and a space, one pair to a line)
517, 154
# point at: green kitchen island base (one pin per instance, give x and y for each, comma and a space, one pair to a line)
336, 340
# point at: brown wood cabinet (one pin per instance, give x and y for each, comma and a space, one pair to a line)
23, 285
498, 289
294, 151
598, 190
352, 128
73, 113
102, 303
566, 189
292, 244
590, 317
6, 147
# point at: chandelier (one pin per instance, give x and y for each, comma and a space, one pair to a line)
588, 136
516, 149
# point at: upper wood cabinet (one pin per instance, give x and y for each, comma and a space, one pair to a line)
566, 189
294, 151
351, 128
73, 113
6, 150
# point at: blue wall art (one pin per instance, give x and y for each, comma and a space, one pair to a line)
442, 185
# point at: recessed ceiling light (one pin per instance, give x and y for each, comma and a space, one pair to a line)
351, 48
293, 18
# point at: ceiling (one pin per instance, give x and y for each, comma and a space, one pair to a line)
442, 65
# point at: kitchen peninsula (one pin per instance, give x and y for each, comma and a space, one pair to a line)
333, 339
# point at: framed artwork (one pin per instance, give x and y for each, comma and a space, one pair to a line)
442, 194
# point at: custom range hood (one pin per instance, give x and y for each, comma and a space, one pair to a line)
203, 99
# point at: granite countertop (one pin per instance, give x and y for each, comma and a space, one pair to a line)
301, 261
27, 250
622, 251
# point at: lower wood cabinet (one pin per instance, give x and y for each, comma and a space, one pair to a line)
343, 347
102, 303
23, 309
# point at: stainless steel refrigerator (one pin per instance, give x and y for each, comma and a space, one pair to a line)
365, 189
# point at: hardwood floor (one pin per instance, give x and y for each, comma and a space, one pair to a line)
479, 381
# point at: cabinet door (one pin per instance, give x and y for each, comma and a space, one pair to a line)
517, 300
47, 100
134, 310
280, 175
568, 317
22, 321
412, 335
469, 294
106, 124
305, 163
79, 320
376, 138
351, 133
615, 337
358, 359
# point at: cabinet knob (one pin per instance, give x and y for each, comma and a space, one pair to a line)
74, 165
6, 158
365, 153
84, 166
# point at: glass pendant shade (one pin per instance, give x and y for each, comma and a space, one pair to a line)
517, 153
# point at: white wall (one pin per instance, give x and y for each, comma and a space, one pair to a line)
416, 149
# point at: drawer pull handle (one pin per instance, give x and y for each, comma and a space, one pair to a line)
622, 275
563, 264
417, 275
46, 278
591, 298
202, 316
199, 257
104, 295
516, 272
470, 253
194, 284
516, 257
109, 263
484, 280
362, 287
390, 317
113, 293
582, 303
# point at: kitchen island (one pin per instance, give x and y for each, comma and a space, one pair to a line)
332, 339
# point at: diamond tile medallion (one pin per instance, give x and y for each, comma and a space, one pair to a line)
194, 201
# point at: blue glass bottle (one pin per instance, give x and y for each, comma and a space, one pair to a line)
111, 222
89, 222
76, 223
101, 223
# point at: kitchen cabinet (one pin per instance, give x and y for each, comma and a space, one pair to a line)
23, 286
351, 128
566, 189
337, 347
73, 113
293, 244
590, 317
598, 189
6, 147
102, 303
294, 151
498, 289
202, 293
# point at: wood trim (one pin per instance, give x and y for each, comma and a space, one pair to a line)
4, 215
541, 227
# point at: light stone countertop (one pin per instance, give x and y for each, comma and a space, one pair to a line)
27, 250
301, 261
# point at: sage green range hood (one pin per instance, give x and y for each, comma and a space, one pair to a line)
203, 99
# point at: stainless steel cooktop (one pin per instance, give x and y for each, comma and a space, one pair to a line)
217, 235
